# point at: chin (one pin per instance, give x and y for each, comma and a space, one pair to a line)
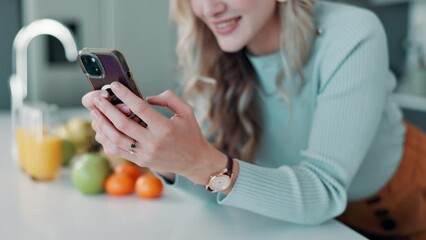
230, 47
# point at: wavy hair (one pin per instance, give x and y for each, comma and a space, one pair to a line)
221, 85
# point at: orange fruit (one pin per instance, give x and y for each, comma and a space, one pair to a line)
119, 184
130, 169
148, 186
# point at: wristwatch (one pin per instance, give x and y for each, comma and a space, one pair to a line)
221, 180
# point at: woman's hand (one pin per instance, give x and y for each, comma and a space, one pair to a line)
88, 102
167, 145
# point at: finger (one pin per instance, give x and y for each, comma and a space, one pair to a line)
124, 109
111, 149
104, 126
87, 99
137, 105
172, 101
120, 121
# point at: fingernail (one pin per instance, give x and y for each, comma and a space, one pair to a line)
115, 86
104, 94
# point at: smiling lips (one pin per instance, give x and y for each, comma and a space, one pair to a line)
227, 26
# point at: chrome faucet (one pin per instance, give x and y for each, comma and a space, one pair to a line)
19, 79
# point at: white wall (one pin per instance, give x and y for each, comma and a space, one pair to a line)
145, 35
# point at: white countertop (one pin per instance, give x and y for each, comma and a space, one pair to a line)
56, 210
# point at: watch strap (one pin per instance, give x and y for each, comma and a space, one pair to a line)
229, 166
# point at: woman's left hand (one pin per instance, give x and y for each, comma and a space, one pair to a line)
169, 145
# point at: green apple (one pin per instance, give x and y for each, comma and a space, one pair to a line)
68, 151
90, 172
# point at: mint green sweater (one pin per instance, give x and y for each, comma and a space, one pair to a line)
343, 138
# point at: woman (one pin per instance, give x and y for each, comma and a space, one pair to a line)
293, 101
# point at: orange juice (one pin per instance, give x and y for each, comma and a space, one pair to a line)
39, 156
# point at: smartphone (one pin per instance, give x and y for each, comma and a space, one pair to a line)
103, 66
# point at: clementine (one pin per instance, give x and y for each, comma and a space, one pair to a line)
148, 186
119, 184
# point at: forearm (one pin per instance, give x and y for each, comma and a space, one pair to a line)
303, 194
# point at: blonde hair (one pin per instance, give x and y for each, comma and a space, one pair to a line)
223, 84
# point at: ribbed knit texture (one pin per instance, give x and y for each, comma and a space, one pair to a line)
342, 137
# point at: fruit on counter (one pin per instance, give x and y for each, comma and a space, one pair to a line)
114, 160
90, 172
148, 186
69, 150
129, 168
62, 131
79, 131
119, 184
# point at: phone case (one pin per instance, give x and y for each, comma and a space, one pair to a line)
113, 67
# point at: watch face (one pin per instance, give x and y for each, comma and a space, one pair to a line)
220, 183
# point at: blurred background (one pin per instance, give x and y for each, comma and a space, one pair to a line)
143, 32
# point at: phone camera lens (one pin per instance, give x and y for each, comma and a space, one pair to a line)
92, 65
85, 60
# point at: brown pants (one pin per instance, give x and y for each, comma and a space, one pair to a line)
398, 211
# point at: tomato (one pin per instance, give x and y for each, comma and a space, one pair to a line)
130, 169
119, 184
148, 186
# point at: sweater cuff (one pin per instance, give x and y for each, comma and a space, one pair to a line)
184, 184
240, 192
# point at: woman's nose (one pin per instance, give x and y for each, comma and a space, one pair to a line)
213, 8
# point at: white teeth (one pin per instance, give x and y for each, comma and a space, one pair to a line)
226, 24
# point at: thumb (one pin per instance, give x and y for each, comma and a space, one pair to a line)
171, 101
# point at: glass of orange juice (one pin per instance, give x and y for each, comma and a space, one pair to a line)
39, 151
